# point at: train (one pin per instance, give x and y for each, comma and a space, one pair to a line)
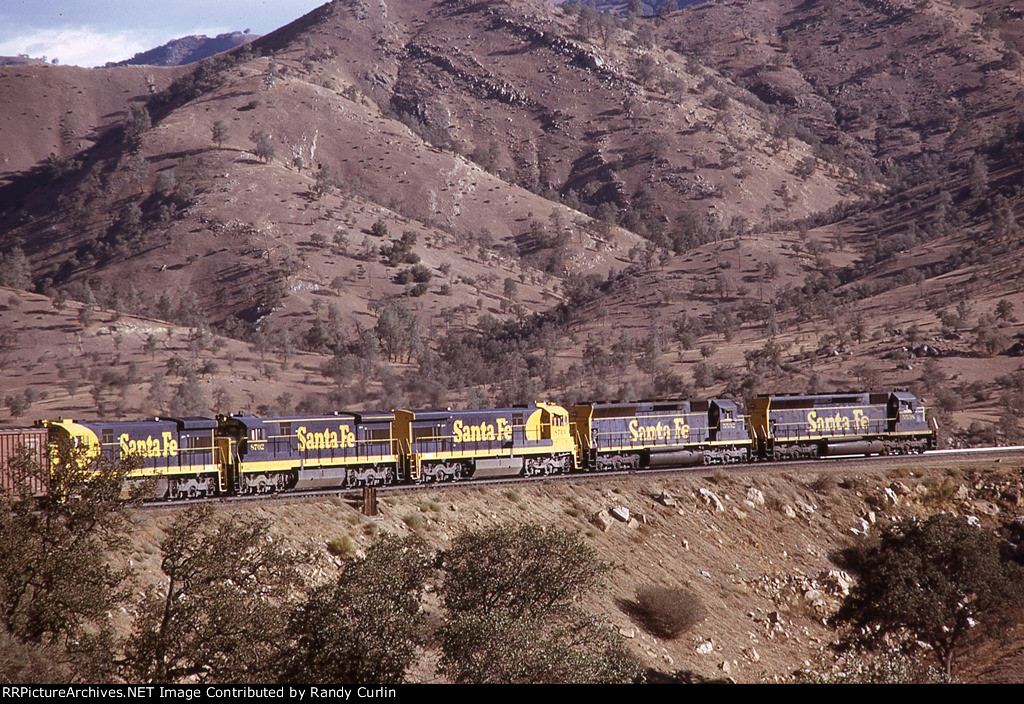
239, 454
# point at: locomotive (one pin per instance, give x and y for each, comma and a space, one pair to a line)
245, 454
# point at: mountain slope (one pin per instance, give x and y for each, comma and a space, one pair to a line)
732, 198
187, 50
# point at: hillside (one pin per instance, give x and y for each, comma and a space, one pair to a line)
762, 551
479, 202
63, 110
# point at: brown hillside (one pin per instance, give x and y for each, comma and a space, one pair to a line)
61, 110
739, 197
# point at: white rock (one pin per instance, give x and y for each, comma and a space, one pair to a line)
788, 510
836, 581
705, 648
755, 496
627, 632
620, 512
711, 500
973, 521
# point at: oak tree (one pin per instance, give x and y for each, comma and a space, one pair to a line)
931, 581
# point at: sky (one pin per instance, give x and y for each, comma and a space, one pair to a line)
93, 32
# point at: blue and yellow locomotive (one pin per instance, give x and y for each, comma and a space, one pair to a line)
659, 434
244, 454
180, 453
789, 427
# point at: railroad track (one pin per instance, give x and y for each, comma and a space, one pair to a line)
838, 465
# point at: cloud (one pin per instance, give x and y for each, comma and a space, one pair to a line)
80, 46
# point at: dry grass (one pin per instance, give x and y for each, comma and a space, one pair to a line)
822, 484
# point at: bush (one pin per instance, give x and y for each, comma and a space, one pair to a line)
512, 595
341, 545
667, 612
366, 625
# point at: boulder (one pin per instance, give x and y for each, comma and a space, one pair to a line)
706, 648
601, 521
836, 582
805, 507
711, 500
665, 499
620, 512
900, 488
755, 496
816, 598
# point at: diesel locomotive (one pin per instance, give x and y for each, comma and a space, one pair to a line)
245, 454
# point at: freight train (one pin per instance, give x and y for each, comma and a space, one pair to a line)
244, 454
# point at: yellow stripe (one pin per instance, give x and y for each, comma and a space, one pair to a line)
695, 444
165, 471
277, 465
877, 436
472, 454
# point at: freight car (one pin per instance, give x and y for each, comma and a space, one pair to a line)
244, 454
15, 477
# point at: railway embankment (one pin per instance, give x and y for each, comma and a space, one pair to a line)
760, 546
